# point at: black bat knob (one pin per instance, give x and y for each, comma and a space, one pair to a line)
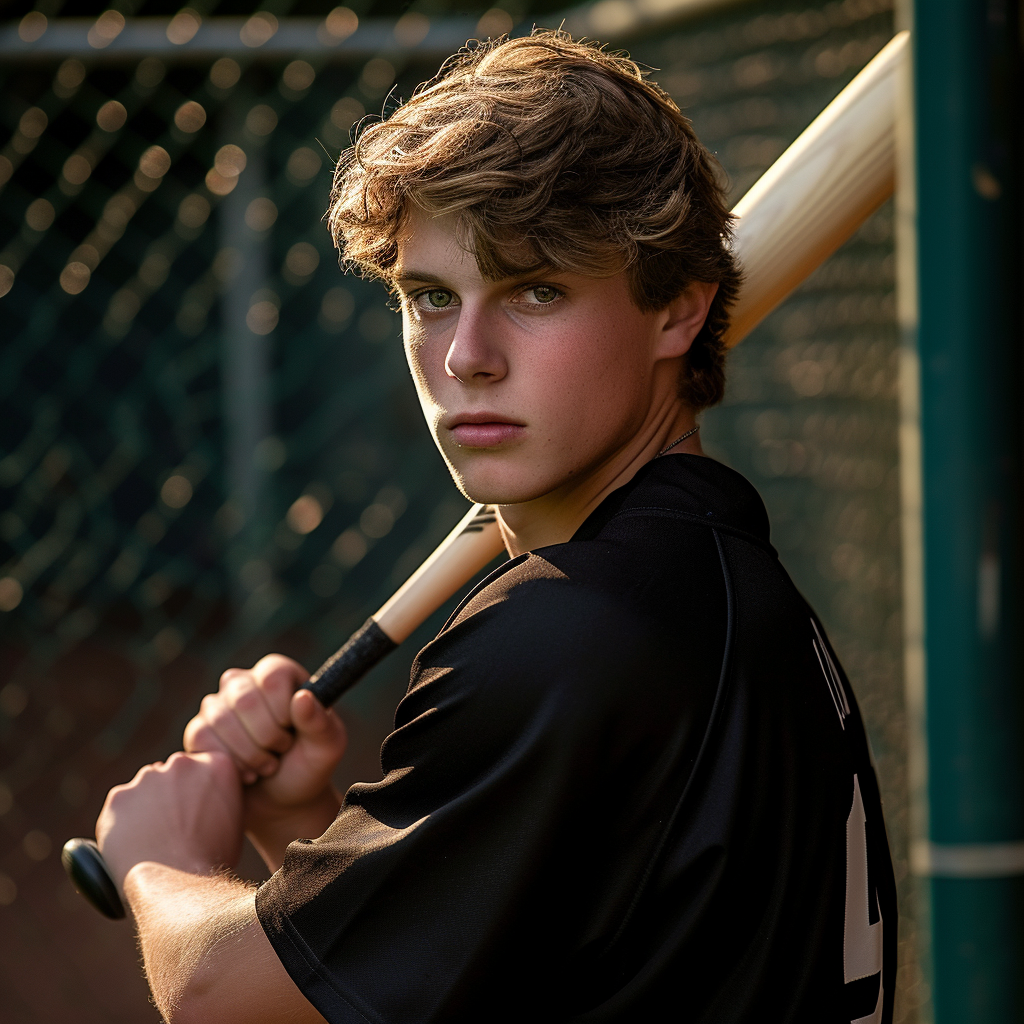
90, 875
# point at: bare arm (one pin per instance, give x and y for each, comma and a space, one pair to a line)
206, 956
168, 836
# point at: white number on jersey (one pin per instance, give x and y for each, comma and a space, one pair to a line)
862, 940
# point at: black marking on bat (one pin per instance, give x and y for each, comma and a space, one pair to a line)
484, 517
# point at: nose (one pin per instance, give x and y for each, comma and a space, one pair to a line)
475, 354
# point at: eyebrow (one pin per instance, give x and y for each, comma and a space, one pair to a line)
418, 275
427, 278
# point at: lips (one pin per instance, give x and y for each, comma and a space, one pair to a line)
484, 430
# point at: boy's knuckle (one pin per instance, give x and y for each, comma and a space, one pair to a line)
278, 666
228, 675
218, 717
246, 699
268, 663
210, 705
198, 735
117, 792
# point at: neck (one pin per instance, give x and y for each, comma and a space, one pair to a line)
554, 517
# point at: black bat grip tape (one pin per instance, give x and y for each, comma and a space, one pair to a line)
343, 669
368, 645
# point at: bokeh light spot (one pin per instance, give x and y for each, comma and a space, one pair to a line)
176, 491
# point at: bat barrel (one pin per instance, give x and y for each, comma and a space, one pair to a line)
813, 198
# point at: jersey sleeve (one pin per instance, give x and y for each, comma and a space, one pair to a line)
450, 882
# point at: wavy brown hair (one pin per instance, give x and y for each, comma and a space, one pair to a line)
550, 153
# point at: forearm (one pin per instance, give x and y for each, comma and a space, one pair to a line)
186, 923
205, 953
271, 831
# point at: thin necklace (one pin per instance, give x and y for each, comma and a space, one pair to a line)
682, 437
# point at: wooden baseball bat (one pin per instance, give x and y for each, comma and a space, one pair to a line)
836, 174
813, 198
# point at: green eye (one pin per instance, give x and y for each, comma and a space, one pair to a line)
545, 294
439, 298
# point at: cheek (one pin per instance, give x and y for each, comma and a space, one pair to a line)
595, 374
417, 355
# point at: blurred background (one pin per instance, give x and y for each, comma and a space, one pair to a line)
209, 445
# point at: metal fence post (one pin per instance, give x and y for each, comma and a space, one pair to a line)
246, 365
966, 82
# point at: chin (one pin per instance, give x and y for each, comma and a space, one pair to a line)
497, 483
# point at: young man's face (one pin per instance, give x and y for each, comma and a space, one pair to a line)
532, 384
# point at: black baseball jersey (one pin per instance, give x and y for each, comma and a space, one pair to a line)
628, 782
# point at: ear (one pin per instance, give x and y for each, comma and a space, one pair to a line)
684, 316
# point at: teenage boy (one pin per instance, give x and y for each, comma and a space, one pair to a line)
628, 778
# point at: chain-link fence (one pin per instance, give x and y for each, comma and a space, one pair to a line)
210, 448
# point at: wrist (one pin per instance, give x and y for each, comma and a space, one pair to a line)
271, 829
149, 877
153, 865
263, 812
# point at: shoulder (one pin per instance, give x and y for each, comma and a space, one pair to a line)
636, 598
529, 672
542, 622
574, 630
